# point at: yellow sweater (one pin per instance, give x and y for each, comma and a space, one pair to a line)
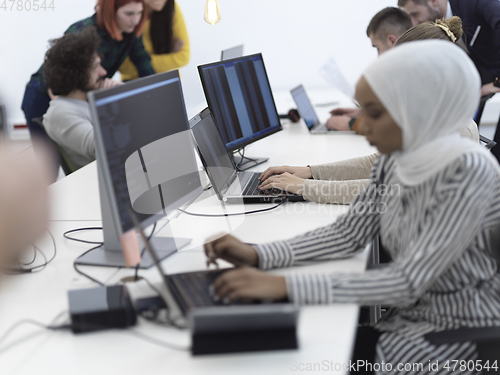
163, 62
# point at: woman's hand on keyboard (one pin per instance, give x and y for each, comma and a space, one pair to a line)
284, 181
249, 283
230, 249
302, 172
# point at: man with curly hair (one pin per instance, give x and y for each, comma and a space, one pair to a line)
72, 68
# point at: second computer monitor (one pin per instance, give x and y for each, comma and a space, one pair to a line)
240, 98
145, 159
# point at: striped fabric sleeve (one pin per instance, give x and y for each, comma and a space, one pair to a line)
141, 58
451, 223
347, 236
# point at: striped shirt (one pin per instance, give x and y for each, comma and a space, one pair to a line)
112, 52
442, 275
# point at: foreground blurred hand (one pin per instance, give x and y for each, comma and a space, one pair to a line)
23, 200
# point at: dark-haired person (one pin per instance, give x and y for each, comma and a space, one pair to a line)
383, 30
72, 67
165, 38
340, 182
481, 23
119, 24
439, 226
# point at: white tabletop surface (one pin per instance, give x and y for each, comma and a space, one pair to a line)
325, 333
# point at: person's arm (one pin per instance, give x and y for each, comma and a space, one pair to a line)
347, 236
174, 60
350, 169
338, 192
453, 222
73, 131
140, 58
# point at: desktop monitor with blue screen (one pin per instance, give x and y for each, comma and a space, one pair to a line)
145, 158
240, 98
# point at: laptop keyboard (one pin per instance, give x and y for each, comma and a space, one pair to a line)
252, 187
194, 287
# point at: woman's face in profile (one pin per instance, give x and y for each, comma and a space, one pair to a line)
377, 125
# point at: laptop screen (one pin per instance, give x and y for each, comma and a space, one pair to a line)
240, 99
212, 149
304, 106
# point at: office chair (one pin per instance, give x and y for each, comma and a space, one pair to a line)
488, 143
487, 339
56, 151
480, 110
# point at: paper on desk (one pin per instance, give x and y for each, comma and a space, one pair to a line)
334, 76
130, 247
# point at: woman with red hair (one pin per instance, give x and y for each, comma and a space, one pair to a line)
119, 24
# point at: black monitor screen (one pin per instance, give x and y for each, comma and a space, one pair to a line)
240, 99
142, 136
212, 149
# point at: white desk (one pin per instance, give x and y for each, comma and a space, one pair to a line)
326, 333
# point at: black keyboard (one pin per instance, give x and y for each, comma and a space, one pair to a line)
191, 289
252, 187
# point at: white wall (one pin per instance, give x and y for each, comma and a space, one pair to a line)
295, 36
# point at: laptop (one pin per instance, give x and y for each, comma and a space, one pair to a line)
230, 185
232, 53
307, 112
192, 290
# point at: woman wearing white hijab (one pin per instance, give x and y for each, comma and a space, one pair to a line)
436, 225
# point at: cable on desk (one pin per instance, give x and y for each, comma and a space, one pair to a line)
155, 341
65, 235
49, 326
236, 214
241, 152
20, 270
136, 275
169, 322
32, 261
84, 274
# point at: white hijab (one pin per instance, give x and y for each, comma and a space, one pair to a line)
431, 90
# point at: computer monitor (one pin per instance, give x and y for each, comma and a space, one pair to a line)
145, 159
240, 98
232, 52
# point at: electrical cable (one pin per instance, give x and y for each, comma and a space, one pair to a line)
49, 326
32, 261
241, 152
136, 274
20, 270
155, 341
81, 272
65, 235
235, 214
169, 322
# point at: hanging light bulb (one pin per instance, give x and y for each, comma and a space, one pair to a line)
212, 14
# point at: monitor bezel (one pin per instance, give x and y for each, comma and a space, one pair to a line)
210, 105
101, 155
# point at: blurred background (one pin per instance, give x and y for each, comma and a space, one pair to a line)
296, 37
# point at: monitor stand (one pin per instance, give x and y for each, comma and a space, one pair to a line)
243, 163
110, 254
